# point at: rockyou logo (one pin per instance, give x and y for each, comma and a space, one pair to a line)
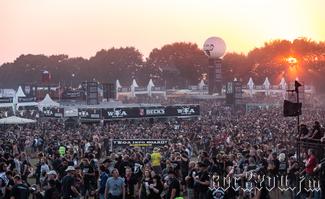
117, 113
257, 183
185, 111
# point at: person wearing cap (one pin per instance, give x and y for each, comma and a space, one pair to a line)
173, 186
202, 181
68, 184
52, 175
19, 190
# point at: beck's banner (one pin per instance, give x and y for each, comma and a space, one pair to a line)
151, 112
53, 112
90, 113
140, 142
6, 100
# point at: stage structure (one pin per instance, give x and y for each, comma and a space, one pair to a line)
214, 48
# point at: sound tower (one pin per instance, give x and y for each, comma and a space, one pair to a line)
214, 76
92, 93
109, 91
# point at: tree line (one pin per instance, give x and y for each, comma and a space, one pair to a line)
174, 65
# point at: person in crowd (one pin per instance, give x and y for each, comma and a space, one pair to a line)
172, 185
155, 160
19, 190
69, 189
102, 181
202, 181
115, 186
144, 187
130, 183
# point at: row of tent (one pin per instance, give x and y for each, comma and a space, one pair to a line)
266, 84
135, 84
250, 84
46, 102
151, 84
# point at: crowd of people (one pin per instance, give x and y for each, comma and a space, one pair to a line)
51, 160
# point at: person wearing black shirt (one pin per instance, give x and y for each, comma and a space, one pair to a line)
316, 132
144, 189
190, 180
202, 181
173, 186
20, 190
130, 182
155, 188
68, 184
89, 177
52, 192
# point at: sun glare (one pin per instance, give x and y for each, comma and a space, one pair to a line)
291, 60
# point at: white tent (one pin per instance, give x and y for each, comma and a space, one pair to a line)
267, 83
201, 84
134, 84
283, 84
149, 87
16, 120
250, 84
20, 92
47, 102
151, 84
118, 85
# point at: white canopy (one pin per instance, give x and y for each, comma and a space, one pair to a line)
16, 120
149, 87
201, 84
47, 102
118, 85
151, 84
250, 83
266, 83
20, 92
283, 84
134, 84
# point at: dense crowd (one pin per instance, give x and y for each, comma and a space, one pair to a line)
51, 160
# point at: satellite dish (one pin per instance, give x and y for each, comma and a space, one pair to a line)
214, 47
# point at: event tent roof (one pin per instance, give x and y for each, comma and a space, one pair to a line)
20, 92
16, 120
47, 102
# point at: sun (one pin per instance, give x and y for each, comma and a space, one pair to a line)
292, 60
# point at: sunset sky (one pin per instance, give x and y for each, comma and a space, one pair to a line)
82, 27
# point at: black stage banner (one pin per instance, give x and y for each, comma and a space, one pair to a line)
140, 142
120, 113
90, 113
26, 99
53, 112
151, 112
6, 100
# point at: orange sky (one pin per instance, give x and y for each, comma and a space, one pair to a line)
82, 27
